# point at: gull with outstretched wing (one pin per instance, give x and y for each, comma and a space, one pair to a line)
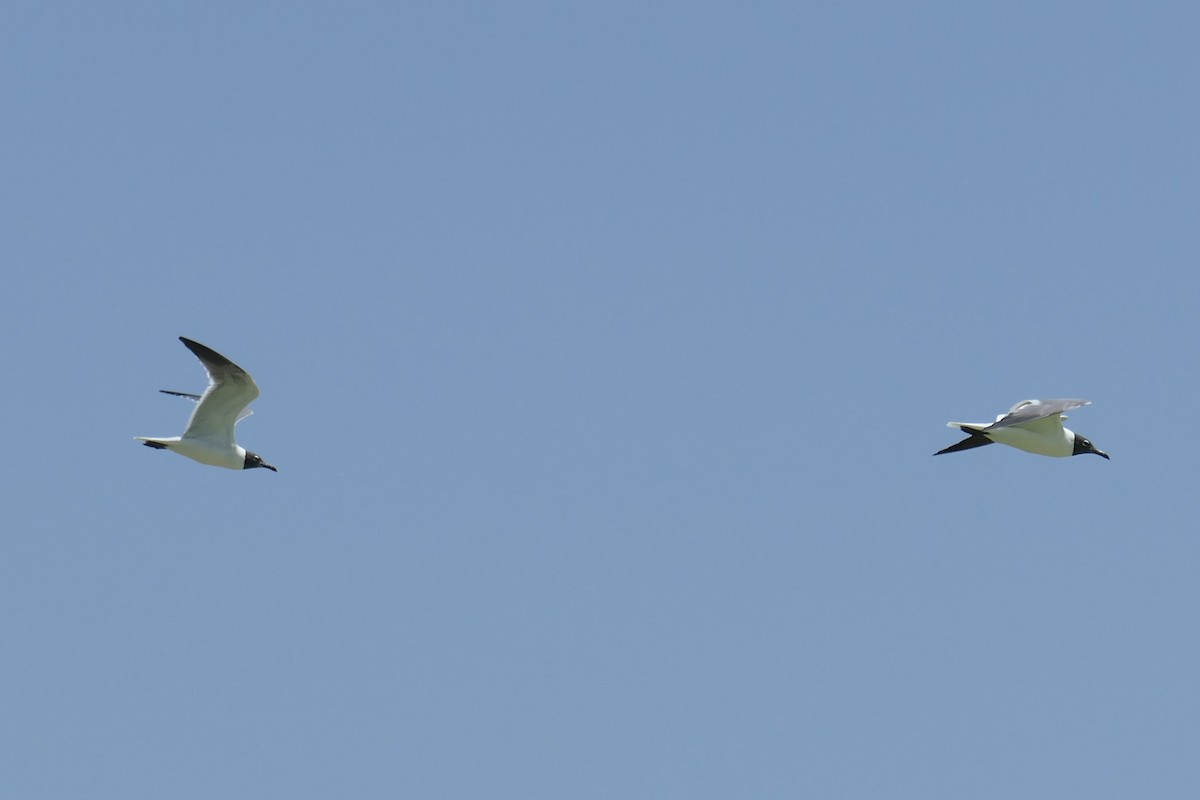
1035, 426
209, 435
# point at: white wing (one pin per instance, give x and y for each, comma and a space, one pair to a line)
195, 398
1028, 412
230, 390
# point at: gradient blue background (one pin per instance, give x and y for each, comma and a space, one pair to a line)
603, 350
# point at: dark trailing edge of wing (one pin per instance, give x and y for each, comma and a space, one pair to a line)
974, 440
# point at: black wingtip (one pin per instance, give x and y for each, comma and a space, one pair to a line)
974, 440
206, 354
188, 395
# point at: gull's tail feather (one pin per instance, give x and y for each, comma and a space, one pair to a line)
976, 439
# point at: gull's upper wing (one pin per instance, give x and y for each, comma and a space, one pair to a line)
1028, 411
195, 398
230, 390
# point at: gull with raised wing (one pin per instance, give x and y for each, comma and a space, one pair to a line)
209, 435
1035, 426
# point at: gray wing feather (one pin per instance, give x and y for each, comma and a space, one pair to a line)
1033, 410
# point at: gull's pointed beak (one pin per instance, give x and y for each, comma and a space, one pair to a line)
265, 465
1100, 453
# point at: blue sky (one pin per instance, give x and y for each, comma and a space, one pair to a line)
603, 349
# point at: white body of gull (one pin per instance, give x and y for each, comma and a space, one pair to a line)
1035, 426
209, 434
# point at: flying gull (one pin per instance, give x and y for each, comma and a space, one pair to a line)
209, 435
1035, 426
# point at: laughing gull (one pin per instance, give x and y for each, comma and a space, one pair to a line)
209, 435
1035, 426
